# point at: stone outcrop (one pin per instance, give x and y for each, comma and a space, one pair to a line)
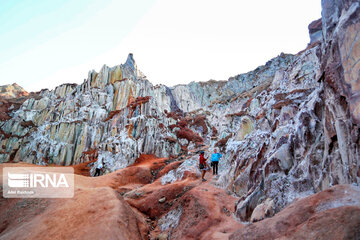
315, 31
12, 91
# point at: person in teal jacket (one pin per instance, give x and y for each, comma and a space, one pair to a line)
215, 157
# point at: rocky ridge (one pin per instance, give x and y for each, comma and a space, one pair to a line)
288, 129
12, 91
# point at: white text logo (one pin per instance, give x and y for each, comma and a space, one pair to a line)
38, 182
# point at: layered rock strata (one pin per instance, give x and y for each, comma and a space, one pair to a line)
117, 115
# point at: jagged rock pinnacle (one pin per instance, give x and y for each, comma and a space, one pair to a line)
131, 62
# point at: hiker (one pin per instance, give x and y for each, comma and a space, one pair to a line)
202, 165
215, 157
98, 168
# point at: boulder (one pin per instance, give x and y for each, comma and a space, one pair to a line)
263, 210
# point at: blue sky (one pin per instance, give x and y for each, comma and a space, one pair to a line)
46, 43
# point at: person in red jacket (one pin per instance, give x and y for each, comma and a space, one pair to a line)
202, 165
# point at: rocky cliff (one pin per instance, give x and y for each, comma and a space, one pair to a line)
288, 129
117, 115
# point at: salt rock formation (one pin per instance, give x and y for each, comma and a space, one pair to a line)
306, 136
111, 108
11, 98
117, 114
287, 130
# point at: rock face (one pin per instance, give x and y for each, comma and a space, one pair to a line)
282, 156
315, 31
114, 114
307, 138
11, 98
341, 52
286, 130
117, 114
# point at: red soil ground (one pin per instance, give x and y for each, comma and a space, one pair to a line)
125, 205
108, 207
